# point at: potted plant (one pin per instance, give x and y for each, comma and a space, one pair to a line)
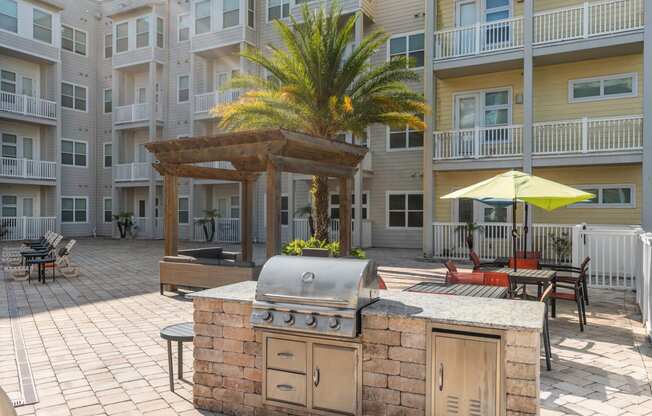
469, 228
295, 248
124, 222
208, 223
562, 246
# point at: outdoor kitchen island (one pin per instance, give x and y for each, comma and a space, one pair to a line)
416, 354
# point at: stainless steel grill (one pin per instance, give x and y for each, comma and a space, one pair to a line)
314, 295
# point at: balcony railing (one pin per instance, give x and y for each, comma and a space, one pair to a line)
28, 106
479, 39
28, 168
588, 20
204, 103
585, 135
21, 228
217, 165
127, 172
133, 113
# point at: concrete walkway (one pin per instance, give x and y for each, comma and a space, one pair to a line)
94, 348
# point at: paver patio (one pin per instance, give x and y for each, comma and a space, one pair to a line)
94, 345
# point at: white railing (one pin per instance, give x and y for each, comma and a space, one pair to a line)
28, 168
134, 112
29, 106
204, 103
227, 230
588, 20
132, 171
21, 228
222, 164
302, 231
587, 135
644, 282
481, 142
479, 39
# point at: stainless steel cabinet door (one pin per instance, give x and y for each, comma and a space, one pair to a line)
333, 378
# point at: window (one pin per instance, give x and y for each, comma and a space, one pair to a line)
142, 32
277, 9
409, 46
235, 206
9, 15
28, 148
608, 196
9, 206
251, 13
230, 13
603, 88
334, 206
9, 145
27, 86
404, 209
108, 100
285, 217
184, 213
160, 36
183, 88
108, 155
73, 153
108, 210
202, 17
8, 81
183, 27
141, 209
497, 107
122, 37
405, 138
42, 27
73, 96
73, 40
497, 10
74, 210
108, 46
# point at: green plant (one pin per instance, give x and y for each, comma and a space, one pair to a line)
469, 228
320, 86
295, 247
208, 223
562, 245
124, 222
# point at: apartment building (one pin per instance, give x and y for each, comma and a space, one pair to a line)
554, 88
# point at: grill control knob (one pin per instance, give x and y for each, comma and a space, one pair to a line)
334, 323
266, 316
288, 318
311, 320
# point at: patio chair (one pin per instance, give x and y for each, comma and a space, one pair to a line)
576, 285
62, 262
545, 298
450, 266
477, 264
568, 273
473, 278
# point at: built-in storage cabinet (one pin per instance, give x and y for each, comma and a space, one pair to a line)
318, 374
466, 373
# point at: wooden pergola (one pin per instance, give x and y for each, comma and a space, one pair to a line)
252, 152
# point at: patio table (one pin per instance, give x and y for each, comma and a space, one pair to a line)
460, 289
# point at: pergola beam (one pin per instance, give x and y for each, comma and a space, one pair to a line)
308, 167
200, 172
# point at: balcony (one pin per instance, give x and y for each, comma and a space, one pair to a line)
134, 113
28, 169
204, 103
26, 106
22, 228
585, 136
132, 172
481, 38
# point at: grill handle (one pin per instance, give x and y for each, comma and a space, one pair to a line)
285, 355
303, 299
285, 387
315, 377
441, 376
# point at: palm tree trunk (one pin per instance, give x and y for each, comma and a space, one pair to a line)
320, 206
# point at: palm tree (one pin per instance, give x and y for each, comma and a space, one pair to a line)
316, 86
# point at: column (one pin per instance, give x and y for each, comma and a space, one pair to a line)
646, 202
191, 133
528, 103
247, 219
151, 101
357, 179
57, 148
428, 139
291, 207
171, 215
345, 216
115, 150
273, 238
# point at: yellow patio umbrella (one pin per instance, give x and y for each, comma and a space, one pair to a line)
518, 186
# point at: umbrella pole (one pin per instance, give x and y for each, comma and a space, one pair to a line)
525, 231
514, 237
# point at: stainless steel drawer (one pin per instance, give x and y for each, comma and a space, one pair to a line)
286, 355
286, 387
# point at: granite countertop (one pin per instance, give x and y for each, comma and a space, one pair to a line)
457, 310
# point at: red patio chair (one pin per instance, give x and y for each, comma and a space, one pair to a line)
530, 254
477, 264
524, 263
473, 278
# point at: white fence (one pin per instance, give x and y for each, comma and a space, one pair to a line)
132, 171
28, 106
227, 230
21, 228
206, 102
644, 282
479, 38
28, 168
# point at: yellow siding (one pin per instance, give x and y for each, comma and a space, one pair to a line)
551, 89
447, 88
544, 5
446, 182
446, 13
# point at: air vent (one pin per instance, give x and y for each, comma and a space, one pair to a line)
452, 405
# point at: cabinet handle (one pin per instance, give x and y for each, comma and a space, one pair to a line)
285, 387
285, 355
441, 376
315, 377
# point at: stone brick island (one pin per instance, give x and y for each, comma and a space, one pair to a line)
406, 342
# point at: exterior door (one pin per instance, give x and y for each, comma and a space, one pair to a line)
333, 387
467, 118
141, 153
466, 16
223, 207
28, 207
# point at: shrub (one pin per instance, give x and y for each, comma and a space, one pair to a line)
295, 247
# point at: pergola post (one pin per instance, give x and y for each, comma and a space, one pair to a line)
246, 220
345, 216
171, 215
273, 213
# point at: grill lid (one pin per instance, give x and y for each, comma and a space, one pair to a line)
336, 283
